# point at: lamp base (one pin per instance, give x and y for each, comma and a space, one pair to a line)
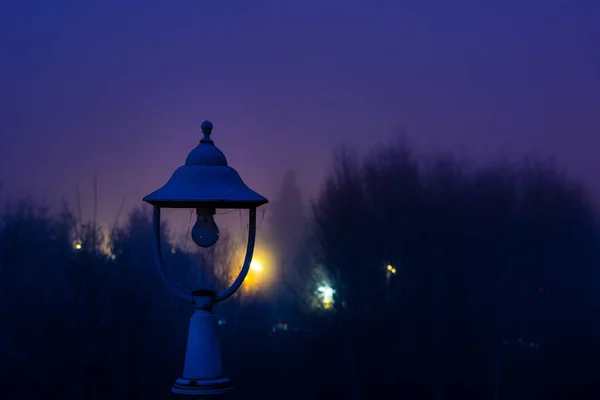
202, 387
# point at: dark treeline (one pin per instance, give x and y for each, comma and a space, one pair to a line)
492, 294
495, 274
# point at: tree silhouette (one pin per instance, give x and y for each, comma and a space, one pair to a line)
482, 256
286, 233
287, 218
493, 294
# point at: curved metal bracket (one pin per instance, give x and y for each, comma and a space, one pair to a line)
160, 264
247, 260
180, 292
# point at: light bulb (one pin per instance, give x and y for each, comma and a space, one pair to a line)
205, 232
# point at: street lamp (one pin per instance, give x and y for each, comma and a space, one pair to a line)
391, 269
205, 183
326, 294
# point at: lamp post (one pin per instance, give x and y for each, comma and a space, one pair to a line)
205, 183
390, 270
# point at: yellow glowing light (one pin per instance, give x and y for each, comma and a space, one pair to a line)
107, 251
390, 268
262, 267
77, 246
256, 266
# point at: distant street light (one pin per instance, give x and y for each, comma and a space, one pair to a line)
326, 294
391, 270
256, 266
204, 183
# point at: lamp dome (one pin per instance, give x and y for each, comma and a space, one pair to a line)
205, 181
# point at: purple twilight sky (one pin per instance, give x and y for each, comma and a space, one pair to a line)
119, 88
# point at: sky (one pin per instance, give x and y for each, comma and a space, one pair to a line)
118, 89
